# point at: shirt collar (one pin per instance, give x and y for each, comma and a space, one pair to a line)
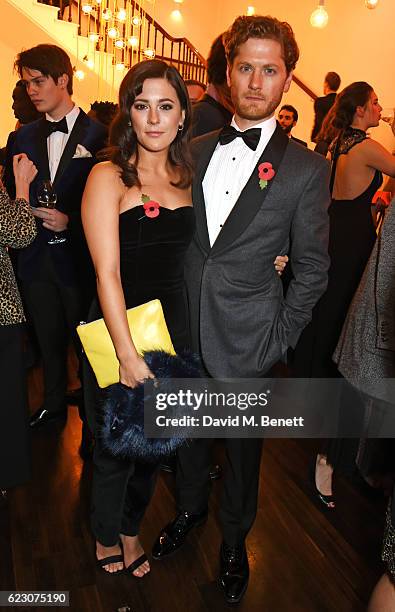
267, 127
70, 117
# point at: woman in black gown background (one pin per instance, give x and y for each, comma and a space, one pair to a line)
357, 164
138, 252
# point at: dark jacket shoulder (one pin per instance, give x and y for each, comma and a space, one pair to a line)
27, 131
303, 156
298, 140
322, 106
200, 143
208, 115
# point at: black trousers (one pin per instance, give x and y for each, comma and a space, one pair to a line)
121, 490
55, 310
240, 484
14, 435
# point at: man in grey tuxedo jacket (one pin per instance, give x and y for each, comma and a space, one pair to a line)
256, 194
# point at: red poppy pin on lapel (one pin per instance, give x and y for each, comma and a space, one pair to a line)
266, 173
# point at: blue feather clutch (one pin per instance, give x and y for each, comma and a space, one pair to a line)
122, 430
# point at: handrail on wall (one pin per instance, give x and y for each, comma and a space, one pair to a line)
304, 87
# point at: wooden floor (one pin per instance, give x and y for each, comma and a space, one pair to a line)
300, 559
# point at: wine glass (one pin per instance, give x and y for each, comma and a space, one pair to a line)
47, 198
387, 115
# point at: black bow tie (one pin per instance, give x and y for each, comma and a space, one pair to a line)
55, 126
251, 137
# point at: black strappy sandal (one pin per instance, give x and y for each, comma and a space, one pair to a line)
135, 565
326, 501
108, 560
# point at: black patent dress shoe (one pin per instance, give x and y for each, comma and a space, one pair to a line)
215, 472
45, 417
174, 534
74, 397
234, 572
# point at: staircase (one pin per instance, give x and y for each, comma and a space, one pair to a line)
135, 35
100, 61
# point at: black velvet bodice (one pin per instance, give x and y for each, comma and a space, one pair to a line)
152, 252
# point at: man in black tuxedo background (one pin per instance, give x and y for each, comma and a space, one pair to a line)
56, 280
241, 322
323, 104
288, 118
214, 109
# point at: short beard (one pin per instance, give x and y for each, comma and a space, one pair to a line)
254, 113
287, 129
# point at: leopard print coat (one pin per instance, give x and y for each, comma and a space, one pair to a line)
17, 230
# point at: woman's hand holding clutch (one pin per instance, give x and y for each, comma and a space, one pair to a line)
134, 371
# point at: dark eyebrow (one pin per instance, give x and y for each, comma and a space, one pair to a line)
42, 76
269, 65
160, 101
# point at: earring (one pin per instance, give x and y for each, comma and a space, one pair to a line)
129, 123
180, 128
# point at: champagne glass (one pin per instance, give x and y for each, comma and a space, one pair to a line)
47, 198
387, 115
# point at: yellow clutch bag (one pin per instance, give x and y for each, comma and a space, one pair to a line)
149, 333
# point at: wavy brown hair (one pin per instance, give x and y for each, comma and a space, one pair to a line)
123, 140
328, 131
347, 101
258, 26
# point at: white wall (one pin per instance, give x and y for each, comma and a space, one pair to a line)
357, 43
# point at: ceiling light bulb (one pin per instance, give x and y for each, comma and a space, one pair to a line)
121, 15
250, 10
371, 4
319, 18
86, 8
149, 53
88, 61
120, 43
113, 32
176, 15
79, 75
133, 41
136, 21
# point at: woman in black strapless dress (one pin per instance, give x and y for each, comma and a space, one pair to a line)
357, 164
138, 250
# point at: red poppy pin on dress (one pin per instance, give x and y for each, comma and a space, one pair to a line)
151, 208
